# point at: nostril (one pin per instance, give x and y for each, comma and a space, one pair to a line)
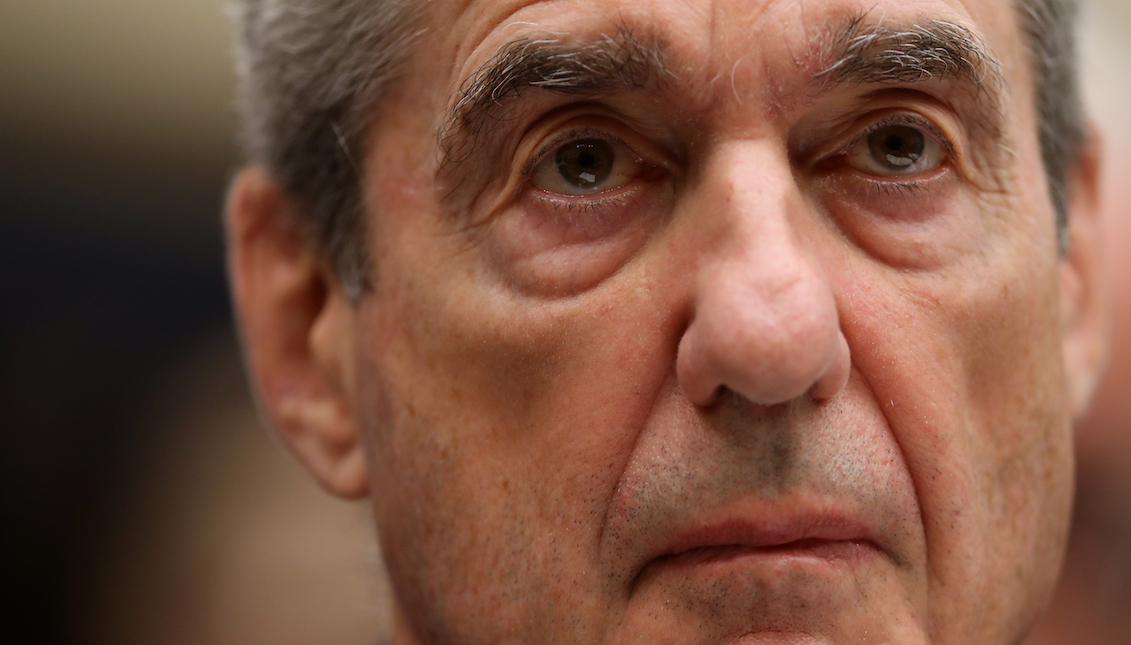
835, 375
697, 373
768, 351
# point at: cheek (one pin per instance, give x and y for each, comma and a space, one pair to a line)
496, 429
554, 250
966, 367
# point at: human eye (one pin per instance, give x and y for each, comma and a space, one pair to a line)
584, 163
898, 146
587, 176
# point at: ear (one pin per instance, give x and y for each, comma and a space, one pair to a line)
1083, 294
297, 329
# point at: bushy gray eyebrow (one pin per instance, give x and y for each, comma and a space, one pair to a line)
620, 61
855, 52
863, 53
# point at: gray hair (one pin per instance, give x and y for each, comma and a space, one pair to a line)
1050, 30
313, 73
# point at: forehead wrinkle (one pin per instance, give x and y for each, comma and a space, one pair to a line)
617, 61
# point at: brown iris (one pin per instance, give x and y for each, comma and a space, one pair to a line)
585, 163
897, 146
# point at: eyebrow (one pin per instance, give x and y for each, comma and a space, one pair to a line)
620, 61
856, 52
863, 53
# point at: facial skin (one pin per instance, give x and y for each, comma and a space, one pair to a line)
800, 369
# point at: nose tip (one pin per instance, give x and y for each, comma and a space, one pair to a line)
767, 350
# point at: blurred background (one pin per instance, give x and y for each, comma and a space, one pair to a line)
143, 501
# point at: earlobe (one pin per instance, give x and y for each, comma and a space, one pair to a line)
297, 330
1083, 294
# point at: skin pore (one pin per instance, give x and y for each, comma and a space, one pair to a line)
695, 322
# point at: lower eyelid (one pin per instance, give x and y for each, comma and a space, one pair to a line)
863, 186
578, 202
541, 222
588, 206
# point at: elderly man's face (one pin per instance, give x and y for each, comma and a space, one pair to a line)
705, 322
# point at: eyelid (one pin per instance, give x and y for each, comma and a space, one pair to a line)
904, 118
539, 140
581, 121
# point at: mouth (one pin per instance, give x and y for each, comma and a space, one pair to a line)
771, 542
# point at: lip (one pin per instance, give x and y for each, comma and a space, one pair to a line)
806, 548
760, 531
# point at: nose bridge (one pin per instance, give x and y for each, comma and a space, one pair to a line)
765, 321
751, 193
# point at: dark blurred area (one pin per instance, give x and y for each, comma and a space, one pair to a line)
93, 317
138, 482
111, 268
143, 501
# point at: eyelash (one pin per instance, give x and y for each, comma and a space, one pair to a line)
586, 206
901, 188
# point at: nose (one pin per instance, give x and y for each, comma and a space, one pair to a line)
765, 323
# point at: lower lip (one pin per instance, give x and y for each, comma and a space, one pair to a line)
816, 551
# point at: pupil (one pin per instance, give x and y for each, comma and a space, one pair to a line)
585, 163
897, 146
